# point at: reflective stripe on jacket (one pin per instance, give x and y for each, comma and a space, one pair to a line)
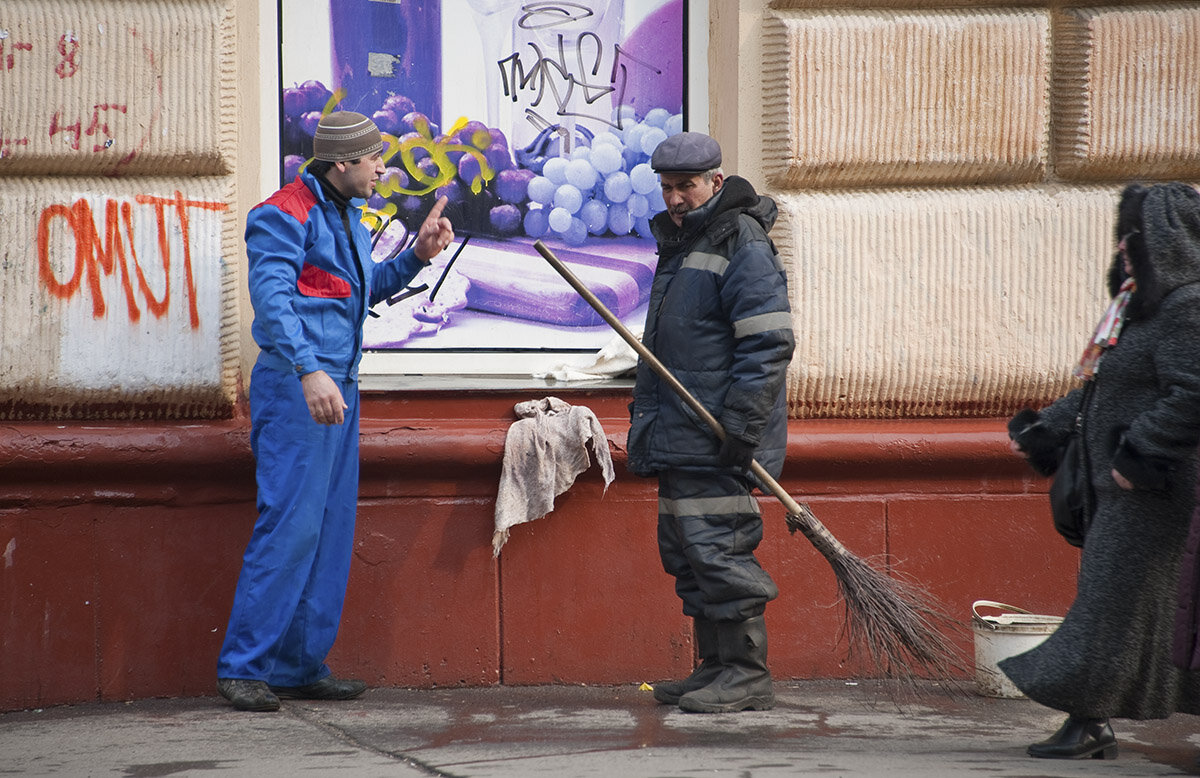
719, 320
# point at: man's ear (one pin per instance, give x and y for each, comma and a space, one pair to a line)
718, 182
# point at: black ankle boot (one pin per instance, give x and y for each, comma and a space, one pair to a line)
1078, 738
669, 692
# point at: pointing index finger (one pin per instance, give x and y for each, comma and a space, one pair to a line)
435, 212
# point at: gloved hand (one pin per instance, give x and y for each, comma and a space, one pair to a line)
735, 452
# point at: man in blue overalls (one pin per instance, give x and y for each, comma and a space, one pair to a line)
312, 281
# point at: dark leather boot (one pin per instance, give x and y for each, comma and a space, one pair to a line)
1078, 738
709, 668
248, 695
328, 688
744, 682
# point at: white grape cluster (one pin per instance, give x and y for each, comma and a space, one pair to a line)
607, 187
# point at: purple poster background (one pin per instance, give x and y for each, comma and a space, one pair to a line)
565, 103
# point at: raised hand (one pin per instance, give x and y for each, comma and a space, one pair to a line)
436, 232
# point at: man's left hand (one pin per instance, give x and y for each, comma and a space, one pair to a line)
735, 452
436, 233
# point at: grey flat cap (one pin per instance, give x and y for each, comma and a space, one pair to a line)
686, 152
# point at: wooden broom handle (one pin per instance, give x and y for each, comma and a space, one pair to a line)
658, 367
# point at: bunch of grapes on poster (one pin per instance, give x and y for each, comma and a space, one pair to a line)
603, 187
583, 183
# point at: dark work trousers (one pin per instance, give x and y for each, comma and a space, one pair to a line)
708, 527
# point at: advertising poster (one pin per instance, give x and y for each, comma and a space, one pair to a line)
535, 119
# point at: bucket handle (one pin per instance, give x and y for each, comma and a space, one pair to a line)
993, 604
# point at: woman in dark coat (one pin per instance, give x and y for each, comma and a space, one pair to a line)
1111, 657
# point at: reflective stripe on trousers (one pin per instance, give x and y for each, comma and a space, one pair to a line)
708, 528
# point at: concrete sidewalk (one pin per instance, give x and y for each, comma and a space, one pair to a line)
827, 728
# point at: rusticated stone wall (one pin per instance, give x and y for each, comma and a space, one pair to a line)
947, 175
119, 236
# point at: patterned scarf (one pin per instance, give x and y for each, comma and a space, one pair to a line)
1107, 332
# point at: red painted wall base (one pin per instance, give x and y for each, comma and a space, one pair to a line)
120, 547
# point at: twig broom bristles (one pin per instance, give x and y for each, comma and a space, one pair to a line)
898, 622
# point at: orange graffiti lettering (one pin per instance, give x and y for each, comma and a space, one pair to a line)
158, 307
94, 254
45, 272
91, 254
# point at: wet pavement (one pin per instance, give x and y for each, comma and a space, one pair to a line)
818, 728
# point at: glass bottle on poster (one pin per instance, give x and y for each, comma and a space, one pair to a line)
387, 56
559, 72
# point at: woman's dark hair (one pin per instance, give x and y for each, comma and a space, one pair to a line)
1130, 228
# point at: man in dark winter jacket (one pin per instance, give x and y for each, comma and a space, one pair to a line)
719, 320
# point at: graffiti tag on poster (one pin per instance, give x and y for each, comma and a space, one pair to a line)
573, 98
565, 67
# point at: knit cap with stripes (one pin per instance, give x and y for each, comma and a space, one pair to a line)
345, 135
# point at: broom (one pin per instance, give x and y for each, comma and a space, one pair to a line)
900, 624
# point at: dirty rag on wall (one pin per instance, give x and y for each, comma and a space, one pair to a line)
544, 451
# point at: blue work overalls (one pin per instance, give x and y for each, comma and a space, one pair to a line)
310, 287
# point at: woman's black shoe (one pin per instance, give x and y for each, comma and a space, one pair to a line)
1078, 739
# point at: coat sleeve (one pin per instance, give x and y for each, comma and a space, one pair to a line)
1168, 431
1042, 434
754, 295
275, 248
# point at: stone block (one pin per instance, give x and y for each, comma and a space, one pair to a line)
120, 297
1127, 92
931, 4
103, 87
946, 303
860, 98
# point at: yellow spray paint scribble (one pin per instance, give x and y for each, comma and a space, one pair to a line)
333, 100
377, 218
438, 150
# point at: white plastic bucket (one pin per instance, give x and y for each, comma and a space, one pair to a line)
999, 637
